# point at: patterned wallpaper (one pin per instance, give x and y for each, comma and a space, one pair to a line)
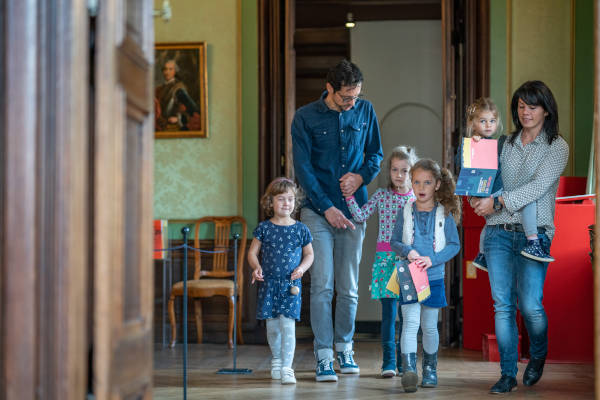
194, 178
197, 177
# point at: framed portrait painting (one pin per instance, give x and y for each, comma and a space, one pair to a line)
180, 90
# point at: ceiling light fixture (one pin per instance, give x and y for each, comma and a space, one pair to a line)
350, 20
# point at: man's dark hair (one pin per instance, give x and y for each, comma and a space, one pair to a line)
344, 73
535, 93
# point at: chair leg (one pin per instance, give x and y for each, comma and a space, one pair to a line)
198, 313
240, 339
230, 324
172, 321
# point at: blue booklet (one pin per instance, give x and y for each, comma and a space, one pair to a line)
479, 165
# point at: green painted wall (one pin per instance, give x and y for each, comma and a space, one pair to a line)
584, 84
199, 177
550, 40
250, 112
541, 50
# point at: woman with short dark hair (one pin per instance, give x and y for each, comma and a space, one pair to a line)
533, 158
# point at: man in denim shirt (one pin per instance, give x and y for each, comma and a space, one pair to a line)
337, 152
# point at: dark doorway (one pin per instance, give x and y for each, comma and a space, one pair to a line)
299, 40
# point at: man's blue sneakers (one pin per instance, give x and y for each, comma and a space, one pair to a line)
346, 361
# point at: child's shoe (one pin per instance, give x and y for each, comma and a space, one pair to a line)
479, 262
430, 379
287, 376
409, 377
388, 372
536, 251
346, 361
325, 372
276, 368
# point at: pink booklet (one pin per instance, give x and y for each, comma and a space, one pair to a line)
421, 281
480, 154
479, 167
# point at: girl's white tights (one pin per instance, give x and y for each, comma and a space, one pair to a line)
412, 314
281, 335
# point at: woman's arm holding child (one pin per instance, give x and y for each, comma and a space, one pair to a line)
257, 274
307, 260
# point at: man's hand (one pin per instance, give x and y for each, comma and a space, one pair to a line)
483, 206
337, 219
349, 183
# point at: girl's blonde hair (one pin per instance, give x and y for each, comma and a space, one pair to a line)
401, 153
479, 106
278, 186
445, 194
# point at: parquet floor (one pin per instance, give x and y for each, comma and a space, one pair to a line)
462, 375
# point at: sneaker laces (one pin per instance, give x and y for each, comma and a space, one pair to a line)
325, 364
287, 372
347, 356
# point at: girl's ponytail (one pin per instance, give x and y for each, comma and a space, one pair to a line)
445, 195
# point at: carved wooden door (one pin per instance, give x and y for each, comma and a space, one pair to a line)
122, 200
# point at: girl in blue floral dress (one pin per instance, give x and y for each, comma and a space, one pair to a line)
280, 253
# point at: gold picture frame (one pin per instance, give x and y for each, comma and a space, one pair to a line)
180, 109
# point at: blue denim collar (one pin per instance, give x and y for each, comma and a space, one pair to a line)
322, 106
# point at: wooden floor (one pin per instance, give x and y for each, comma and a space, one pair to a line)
462, 375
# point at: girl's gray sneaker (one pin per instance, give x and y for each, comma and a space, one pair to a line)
276, 368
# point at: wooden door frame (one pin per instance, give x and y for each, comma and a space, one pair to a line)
277, 92
465, 77
122, 200
44, 197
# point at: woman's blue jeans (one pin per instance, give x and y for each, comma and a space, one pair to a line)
515, 279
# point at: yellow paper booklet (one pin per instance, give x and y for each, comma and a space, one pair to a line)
420, 283
392, 284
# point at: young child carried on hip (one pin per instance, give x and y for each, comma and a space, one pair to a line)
280, 253
387, 201
425, 233
483, 122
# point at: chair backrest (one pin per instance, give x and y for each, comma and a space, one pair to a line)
222, 241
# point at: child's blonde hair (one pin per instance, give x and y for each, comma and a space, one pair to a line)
445, 194
479, 106
401, 153
278, 186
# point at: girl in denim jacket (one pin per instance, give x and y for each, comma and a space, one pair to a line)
426, 234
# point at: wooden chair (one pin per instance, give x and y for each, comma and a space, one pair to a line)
216, 281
